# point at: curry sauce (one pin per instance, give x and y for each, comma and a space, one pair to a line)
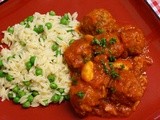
107, 66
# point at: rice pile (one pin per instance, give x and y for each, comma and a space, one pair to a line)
35, 45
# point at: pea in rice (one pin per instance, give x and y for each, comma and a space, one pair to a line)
32, 70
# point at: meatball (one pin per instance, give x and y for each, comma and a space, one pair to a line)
86, 94
127, 89
79, 52
133, 40
113, 44
98, 21
83, 97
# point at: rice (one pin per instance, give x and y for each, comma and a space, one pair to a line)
24, 43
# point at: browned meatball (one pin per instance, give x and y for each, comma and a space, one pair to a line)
83, 97
87, 93
127, 89
78, 52
133, 40
98, 21
113, 44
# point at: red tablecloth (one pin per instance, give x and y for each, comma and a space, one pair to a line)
155, 5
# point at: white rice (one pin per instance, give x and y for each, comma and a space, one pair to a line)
46, 58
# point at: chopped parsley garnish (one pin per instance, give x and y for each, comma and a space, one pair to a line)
112, 41
80, 94
99, 31
38, 29
102, 42
106, 70
95, 41
110, 65
110, 71
114, 74
71, 41
74, 81
122, 66
71, 30
112, 58
10, 57
1, 63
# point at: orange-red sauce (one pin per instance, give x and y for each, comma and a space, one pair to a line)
107, 67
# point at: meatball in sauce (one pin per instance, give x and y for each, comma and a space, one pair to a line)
107, 67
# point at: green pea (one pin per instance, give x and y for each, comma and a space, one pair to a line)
16, 100
16, 89
10, 30
53, 85
2, 74
32, 59
52, 13
58, 52
9, 77
10, 95
66, 16
99, 31
51, 77
30, 98
61, 90
48, 25
21, 93
55, 98
55, 47
30, 19
28, 65
39, 29
80, 94
38, 71
35, 93
45, 102
27, 83
26, 104
64, 21
1, 63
